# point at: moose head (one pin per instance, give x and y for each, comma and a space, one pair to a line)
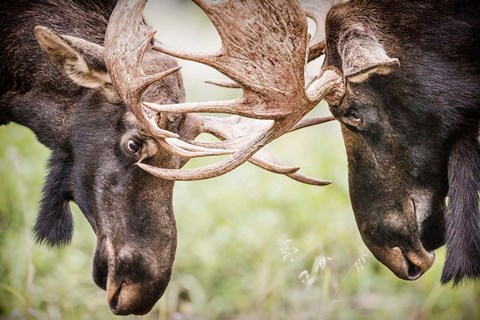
94, 166
409, 117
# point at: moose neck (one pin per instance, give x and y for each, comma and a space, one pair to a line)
47, 115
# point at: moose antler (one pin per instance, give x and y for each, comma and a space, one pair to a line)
264, 51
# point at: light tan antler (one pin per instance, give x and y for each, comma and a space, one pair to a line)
264, 51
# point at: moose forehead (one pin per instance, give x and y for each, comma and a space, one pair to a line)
130, 121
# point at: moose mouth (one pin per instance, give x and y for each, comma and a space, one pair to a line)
407, 263
123, 300
412, 265
126, 298
114, 300
132, 283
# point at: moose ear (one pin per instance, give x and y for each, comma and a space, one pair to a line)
82, 61
362, 54
54, 224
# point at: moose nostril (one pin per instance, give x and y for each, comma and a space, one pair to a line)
410, 265
413, 271
114, 301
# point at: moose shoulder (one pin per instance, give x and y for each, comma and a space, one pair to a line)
54, 80
410, 120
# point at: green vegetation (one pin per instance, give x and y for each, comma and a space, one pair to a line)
252, 245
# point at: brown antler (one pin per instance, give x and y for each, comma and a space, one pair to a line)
264, 50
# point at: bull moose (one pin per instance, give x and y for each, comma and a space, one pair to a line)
77, 74
64, 94
410, 119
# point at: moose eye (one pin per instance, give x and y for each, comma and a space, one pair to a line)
133, 146
353, 118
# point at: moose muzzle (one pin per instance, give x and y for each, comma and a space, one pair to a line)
134, 279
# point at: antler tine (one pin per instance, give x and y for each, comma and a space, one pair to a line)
224, 83
266, 161
205, 58
126, 40
308, 180
189, 150
308, 122
236, 106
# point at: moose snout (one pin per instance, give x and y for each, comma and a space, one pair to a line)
410, 265
133, 282
134, 298
406, 258
406, 262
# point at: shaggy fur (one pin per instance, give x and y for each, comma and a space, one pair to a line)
462, 223
54, 224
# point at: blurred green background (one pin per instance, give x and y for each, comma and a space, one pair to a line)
251, 244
